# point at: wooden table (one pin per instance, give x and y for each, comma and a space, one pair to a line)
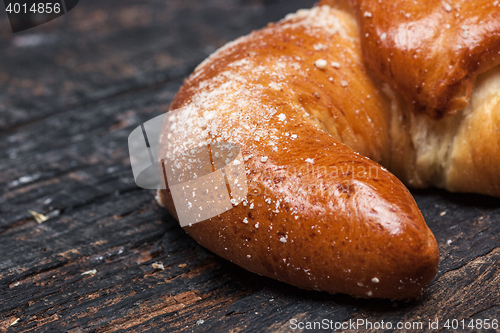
71, 92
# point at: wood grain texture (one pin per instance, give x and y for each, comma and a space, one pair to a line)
67, 106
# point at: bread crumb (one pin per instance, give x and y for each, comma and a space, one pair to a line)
91, 272
335, 65
447, 7
39, 218
158, 266
442, 213
264, 159
182, 265
343, 83
367, 14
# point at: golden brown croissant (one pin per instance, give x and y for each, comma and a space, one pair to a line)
432, 53
318, 214
429, 51
297, 101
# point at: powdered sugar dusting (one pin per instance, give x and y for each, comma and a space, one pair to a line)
228, 106
319, 17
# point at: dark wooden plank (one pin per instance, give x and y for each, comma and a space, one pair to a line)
64, 154
104, 49
105, 223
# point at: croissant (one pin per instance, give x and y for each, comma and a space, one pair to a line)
309, 122
432, 53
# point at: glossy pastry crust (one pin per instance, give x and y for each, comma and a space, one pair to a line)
318, 215
429, 51
440, 60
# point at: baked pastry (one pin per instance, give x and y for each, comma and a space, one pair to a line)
310, 126
297, 100
429, 51
442, 59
